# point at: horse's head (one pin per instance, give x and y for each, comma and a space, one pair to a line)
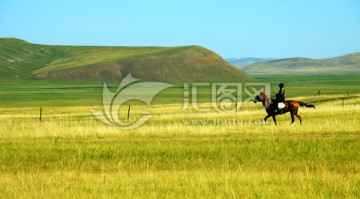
260, 98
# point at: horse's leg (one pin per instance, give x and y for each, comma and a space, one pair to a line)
292, 117
273, 116
298, 116
266, 118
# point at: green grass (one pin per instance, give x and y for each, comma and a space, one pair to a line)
20, 60
34, 58
86, 55
309, 85
45, 93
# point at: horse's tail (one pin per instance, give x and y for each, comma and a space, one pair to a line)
304, 104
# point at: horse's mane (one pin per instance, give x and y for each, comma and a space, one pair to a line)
263, 94
266, 99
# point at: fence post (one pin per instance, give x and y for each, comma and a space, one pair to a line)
128, 113
40, 113
317, 94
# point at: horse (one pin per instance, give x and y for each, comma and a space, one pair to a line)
290, 106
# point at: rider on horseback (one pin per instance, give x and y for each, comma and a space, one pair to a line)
280, 98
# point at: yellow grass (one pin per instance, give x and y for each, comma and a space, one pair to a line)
181, 153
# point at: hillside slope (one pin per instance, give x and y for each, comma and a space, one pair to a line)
347, 64
23, 60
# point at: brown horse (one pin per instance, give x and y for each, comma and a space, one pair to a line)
290, 106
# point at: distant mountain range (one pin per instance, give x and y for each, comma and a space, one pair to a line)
346, 64
246, 61
20, 60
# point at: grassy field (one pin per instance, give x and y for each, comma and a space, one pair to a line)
179, 153
41, 93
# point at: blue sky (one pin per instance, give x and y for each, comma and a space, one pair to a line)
231, 28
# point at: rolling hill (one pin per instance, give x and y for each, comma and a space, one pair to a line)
347, 64
20, 60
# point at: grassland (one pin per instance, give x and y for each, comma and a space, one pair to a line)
179, 153
46, 93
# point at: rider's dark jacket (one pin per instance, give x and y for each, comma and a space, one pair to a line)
280, 96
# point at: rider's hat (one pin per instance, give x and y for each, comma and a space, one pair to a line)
281, 85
